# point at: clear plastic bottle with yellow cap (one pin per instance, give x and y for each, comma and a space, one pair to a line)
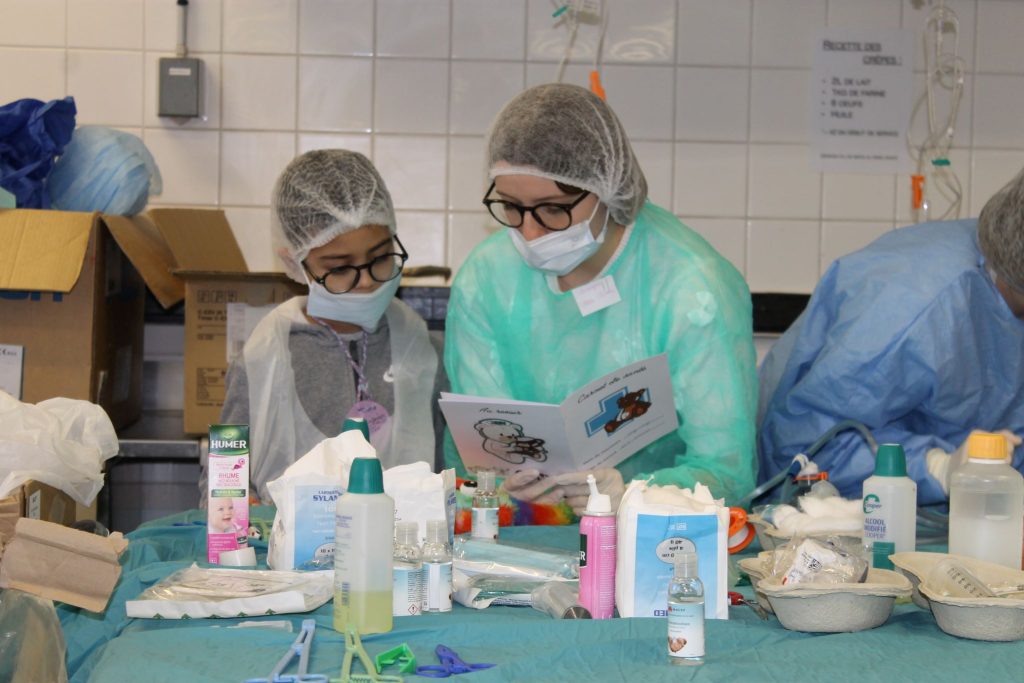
986, 503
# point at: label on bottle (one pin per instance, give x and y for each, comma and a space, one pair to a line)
583, 550
686, 629
407, 593
485, 524
439, 586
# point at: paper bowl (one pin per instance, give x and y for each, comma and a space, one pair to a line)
993, 619
757, 569
917, 566
836, 608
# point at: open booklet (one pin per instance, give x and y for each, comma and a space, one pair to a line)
598, 425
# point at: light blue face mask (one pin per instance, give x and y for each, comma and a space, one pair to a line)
561, 252
364, 310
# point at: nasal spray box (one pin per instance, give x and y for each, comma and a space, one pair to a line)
228, 503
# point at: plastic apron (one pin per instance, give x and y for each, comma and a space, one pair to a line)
281, 431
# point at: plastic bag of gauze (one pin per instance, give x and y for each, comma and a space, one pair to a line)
306, 494
61, 442
654, 522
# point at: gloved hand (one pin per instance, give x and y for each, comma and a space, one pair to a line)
532, 487
942, 464
609, 481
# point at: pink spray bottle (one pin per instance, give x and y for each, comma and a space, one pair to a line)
597, 554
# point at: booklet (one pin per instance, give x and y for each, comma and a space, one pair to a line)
598, 425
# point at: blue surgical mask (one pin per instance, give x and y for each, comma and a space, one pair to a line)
560, 252
364, 310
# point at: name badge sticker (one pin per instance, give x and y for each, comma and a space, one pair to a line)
597, 295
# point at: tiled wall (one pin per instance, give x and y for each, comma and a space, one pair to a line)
713, 93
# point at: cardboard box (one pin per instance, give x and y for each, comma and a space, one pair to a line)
74, 305
37, 500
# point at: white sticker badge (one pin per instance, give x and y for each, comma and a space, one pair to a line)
596, 295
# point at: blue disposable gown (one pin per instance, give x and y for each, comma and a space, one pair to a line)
510, 334
909, 336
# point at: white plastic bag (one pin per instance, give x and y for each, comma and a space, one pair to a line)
421, 495
653, 523
61, 442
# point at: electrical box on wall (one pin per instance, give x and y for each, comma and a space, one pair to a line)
179, 86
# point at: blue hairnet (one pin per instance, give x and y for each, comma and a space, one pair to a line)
32, 134
104, 170
568, 134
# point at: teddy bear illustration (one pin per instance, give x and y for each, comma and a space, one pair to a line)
631, 405
505, 440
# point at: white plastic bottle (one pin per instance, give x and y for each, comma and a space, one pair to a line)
437, 562
686, 612
408, 588
890, 506
485, 509
363, 546
986, 503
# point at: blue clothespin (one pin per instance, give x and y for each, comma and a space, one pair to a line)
450, 665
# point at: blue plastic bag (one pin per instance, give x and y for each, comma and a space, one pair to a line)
106, 170
32, 135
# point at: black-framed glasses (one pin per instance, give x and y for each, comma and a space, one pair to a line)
342, 279
549, 214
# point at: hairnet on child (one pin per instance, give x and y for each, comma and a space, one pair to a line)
322, 194
567, 134
1001, 232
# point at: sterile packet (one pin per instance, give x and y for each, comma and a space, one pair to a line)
197, 593
502, 558
812, 560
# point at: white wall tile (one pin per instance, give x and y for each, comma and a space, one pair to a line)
839, 238
107, 86
39, 23
538, 73
784, 31
711, 104
546, 37
259, 91
1000, 22
997, 122
714, 33
467, 174
189, 161
410, 96
260, 25
251, 228
710, 179
859, 196
107, 24
656, 160
414, 169
779, 105
336, 27
990, 171
356, 143
204, 25
423, 235
782, 256
863, 14
209, 93
31, 72
479, 90
961, 166
250, 163
488, 29
782, 183
915, 17
943, 107
640, 31
465, 231
334, 94
413, 28
642, 99
727, 235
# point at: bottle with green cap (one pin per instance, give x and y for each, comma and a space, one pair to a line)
890, 506
364, 529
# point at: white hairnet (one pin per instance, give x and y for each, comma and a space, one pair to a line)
322, 194
570, 135
1001, 232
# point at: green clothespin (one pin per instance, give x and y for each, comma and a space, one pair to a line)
400, 655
